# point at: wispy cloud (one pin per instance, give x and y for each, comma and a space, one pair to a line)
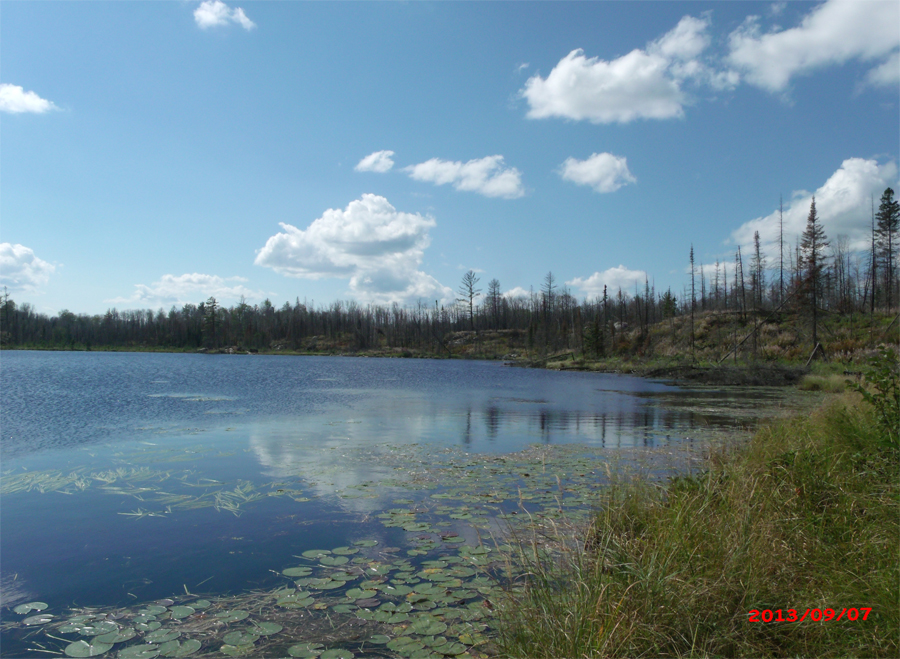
213, 13
21, 270
615, 279
15, 100
604, 172
487, 176
188, 288
380, 162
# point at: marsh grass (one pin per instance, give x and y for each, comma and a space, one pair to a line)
804, 516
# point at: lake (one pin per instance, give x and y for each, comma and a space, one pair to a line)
181, 504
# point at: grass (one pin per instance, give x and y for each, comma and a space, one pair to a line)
804, 516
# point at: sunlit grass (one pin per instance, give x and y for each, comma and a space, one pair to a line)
805, 516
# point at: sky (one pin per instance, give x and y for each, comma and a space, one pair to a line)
158, 153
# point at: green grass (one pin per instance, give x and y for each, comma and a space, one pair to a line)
804, 516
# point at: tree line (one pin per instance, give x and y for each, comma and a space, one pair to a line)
817, 275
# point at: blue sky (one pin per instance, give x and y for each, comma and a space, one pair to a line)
158, 153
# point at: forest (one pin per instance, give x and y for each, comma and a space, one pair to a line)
816, 279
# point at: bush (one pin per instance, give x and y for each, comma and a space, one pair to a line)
885, 398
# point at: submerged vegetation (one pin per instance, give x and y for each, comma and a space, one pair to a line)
804, 517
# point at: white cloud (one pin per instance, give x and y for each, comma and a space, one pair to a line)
377, 248
212, 13
834, 32
188, 288
886, 74
843, 203
21, 270
380, 162
613, 278
644, 84
486, 176
15, 99
602, 171
518, 291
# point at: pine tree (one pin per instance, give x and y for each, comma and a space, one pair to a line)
888, 224
812, 251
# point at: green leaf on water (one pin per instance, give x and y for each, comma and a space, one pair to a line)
201, 604
40, 619
119, 636
379, 639
85, 649
176, 649
316, 553
267, 628
240, 638
147, 626
30, 606
297, 572
236, 650
233, 615
305, 650
344, 551
162, 636
334, 560
337, 653
179, 612
148, 651
153, 610
365, 543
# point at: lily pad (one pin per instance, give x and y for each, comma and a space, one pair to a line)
236, 650
177, 649
84, 649
119, 636
153, 610
153, 625
379, 639
334, 560
30, 606
162, 636
426, 627
337, 653
344, 551
297, 572
201, 604
365, 543
306, 650
233, 615
316, 553
240, 638
179, 612
267, 628
40, 619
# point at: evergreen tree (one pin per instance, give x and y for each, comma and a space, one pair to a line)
888, 224
812, 251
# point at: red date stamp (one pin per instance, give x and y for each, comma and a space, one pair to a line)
816, 615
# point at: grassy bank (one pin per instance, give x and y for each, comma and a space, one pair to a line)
805, 516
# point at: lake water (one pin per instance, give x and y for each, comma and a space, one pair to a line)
386, 489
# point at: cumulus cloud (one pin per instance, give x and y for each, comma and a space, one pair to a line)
15, 100
487, 176
212, 13
613, 278
843, 203
188, 288
21, 270
370, 243
604, 172
380, 162
643, 84
832, 33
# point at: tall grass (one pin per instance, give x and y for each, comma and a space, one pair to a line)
804, 516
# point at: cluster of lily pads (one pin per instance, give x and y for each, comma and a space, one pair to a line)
386, 605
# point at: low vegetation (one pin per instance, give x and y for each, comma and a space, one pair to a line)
805, 516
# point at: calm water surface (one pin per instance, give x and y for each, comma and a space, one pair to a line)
128, 477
